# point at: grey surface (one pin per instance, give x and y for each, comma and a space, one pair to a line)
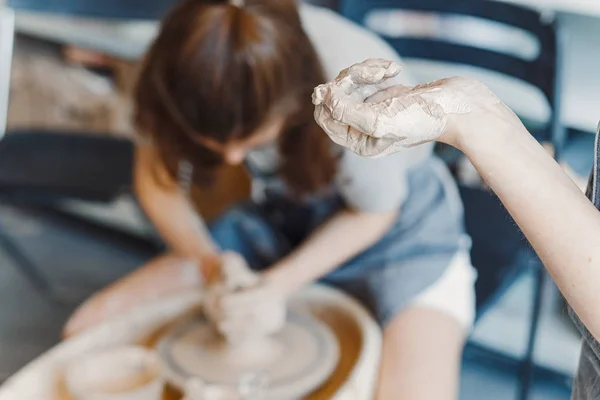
75, 263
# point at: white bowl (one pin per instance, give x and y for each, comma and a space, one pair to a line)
119, 373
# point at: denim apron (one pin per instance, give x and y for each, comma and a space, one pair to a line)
409, 258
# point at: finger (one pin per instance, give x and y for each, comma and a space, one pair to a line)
411, 113
357, 114
236, 272
335, 130
370, 72
360, 80
339, 133
356, 141
244, 300
364, 115
319, 94
359, 92
364, 79
372, 147
388, 93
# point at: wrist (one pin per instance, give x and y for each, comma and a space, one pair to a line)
460, 131
210, 266
283, 279
465, 131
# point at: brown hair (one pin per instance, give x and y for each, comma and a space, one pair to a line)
220, 71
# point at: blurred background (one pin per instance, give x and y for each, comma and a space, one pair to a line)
66, 232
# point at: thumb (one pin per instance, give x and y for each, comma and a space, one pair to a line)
359, 81
389, 93
371, 71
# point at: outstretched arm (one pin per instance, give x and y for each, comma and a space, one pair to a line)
558, 220
555, 216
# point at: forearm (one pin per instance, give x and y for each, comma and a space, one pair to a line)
560, 223
554, 215
341, 238
169, 210
181, 228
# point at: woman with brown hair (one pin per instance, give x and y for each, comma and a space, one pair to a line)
231, 82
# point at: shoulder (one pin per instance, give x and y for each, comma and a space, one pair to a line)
377, 184
340, 42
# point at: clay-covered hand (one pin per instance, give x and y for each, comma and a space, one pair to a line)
245, 305
363, 110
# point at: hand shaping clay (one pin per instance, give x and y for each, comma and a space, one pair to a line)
363, 111
241, 306
246, 332
163, 276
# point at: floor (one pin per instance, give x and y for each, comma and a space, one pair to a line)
30, 323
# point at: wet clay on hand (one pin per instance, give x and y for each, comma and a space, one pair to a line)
246, 333
363, 109
241, 306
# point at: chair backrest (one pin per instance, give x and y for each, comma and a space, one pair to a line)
500, 252
120, 9
542, 72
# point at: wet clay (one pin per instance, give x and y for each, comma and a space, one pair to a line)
294, 355
363, 109
123, 384
128, 373
290, 363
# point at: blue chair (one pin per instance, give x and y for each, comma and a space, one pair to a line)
114, 9
500, 252
48, 166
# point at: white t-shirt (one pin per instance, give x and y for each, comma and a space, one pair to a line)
368, 185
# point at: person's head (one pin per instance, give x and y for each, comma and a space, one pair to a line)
222, 79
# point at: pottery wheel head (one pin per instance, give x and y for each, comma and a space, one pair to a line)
293, 362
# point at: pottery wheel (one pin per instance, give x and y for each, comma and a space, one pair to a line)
295, 362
